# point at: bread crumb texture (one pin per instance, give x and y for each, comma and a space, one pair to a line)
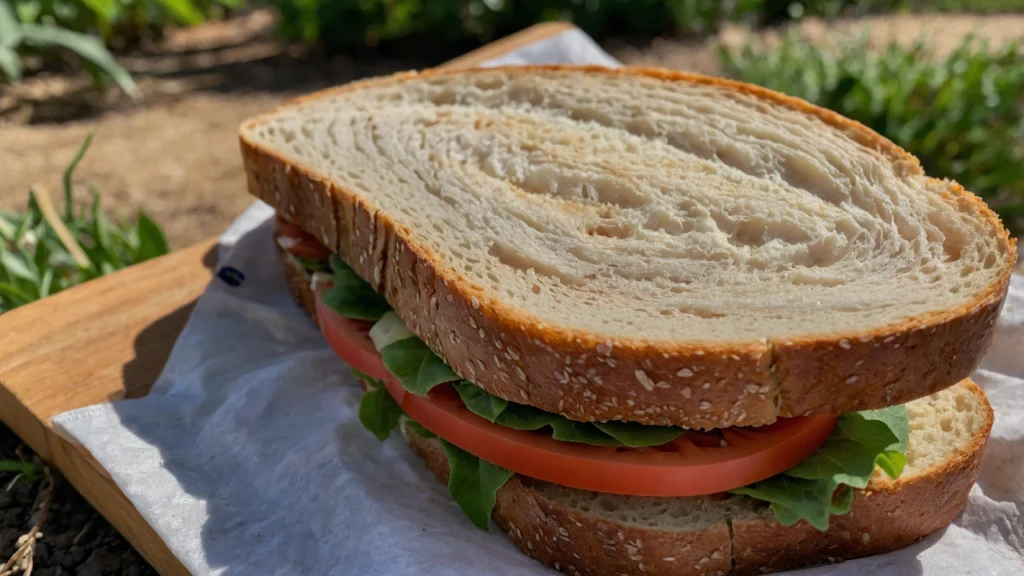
622, 204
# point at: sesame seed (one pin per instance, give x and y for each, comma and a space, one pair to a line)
845, 344
644, 380
889, 339
685, 373
520, 373
851, 379
865, 538
705, 405
482, 333
865, 339
687, 392
706, 385
716, 555
699, 353
513, 353
472, 323
475, 303
448, 298
668, 559
751, 388
662, 385
630, 403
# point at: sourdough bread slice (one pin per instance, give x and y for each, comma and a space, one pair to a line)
640, 244
585, 533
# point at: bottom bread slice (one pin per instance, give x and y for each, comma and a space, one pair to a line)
587, 533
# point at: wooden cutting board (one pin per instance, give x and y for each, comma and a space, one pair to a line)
109, 339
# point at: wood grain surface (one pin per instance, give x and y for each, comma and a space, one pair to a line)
109, 339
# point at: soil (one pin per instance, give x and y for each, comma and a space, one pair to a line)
76, 539
175, 154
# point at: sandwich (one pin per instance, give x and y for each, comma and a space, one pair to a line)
647, 322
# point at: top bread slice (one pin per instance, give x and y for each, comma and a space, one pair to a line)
642, 245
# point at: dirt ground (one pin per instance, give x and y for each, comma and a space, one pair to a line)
175, 154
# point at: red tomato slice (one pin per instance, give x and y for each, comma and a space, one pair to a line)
352, 336
297, 242
695, 464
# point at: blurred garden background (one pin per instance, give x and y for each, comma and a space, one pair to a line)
118, 121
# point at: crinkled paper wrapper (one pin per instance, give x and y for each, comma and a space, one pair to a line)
248, 458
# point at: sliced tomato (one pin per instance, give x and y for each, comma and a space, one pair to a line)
694, 464
297, 242
350, 336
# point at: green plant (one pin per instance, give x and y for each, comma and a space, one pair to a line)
17, 36
961, 115
42, 252
24, 470
119, 18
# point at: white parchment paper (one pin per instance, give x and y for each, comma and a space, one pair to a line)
247, 457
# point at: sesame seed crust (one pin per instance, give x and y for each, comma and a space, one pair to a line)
888, 515
799, 375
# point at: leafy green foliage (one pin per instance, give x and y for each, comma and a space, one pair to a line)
29, 472
17, 37
474, 483
416, 366
341, 25
523, 417
860, 442
87, 27
351, 296
418, 428
378, 411
962, 115
42, 252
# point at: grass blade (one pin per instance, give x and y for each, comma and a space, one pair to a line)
184, 11
59, 228
152, 242
14, 295
16, 267
100, 233
69, 172
10, 63
87, 47
46, 283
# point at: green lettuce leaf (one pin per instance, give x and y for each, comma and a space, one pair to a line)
418, 428
312, 265
523, 417
415, 365
822, 484
474, 483
351, 296
479, 401
378, 411
639, 435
